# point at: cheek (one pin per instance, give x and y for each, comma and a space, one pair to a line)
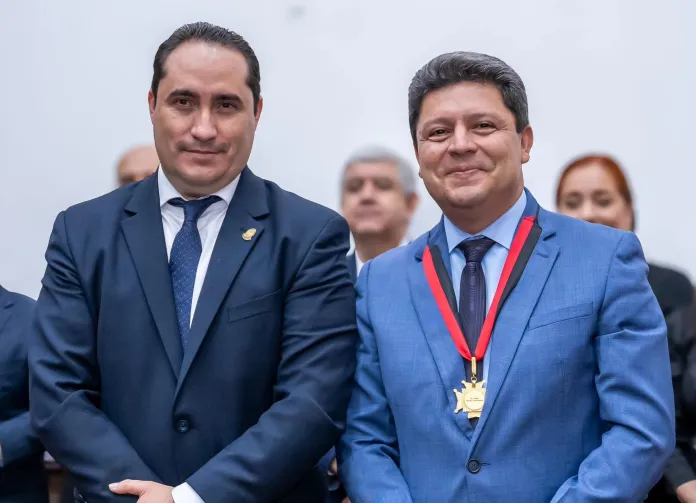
237, 130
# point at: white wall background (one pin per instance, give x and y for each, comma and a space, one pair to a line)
609, 75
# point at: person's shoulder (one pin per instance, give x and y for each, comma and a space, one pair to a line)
22, 305
98, 208
297, 210
675, 278
397, 259
672, 288
582, 233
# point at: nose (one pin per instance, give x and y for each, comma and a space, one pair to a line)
367, 194
588, 212
462, 141
203, 129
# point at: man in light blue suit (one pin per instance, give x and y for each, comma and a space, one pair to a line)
578, 403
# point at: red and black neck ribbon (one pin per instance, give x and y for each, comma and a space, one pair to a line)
526, 238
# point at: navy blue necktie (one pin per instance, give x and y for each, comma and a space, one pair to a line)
472, 289
183, 260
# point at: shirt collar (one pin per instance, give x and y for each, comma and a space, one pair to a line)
359, 263
167, 191
502, 231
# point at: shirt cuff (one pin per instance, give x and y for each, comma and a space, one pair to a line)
185, 494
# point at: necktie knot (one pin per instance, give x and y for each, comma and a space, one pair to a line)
475, 249
193, 209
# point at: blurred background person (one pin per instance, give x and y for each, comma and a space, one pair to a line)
378, 199
595, 188
22, 475
137, 164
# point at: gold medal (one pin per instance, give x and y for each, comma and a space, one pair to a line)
472, 396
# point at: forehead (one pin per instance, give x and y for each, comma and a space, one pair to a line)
205, 67
463, 99
372, 169
589, 177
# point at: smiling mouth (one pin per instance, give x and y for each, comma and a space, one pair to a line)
465, 172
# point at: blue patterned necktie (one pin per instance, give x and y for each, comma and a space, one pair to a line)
183, 260
472, 289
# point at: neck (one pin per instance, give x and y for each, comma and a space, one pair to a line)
191, 191
476, 219
370, 246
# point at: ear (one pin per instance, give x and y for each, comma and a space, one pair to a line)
259, 108
151, 103
527, 138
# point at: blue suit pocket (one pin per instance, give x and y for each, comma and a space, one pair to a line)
558, 315
254, 307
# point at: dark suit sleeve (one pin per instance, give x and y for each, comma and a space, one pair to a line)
313, 388
65, 384
17, 438
634, 386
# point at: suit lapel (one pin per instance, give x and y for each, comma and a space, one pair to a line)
449, 362
5, 304
513, 317
229, 253
145, 239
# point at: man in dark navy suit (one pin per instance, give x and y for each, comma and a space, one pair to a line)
22, 476
195, 336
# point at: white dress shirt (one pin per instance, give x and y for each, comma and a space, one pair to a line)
209, 225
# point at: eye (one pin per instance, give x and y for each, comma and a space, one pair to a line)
438, 134
183, 102
227, 105
484, 126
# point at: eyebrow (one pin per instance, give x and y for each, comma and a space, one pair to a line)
183, 92
228, 97
187, 93
475, 116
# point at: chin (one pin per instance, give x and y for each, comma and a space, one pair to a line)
369, 230
466, 197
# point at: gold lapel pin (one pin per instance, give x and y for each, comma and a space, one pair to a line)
248, 234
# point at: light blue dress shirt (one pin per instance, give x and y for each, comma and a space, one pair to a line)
502, 231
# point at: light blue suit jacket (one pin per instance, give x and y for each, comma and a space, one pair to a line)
579, 401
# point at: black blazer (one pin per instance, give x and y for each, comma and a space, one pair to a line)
259, 395
672, 288
22, 477
675, 294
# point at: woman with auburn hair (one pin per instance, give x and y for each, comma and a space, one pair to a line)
594, 188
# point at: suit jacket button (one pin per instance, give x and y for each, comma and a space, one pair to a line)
183, 426
473, 466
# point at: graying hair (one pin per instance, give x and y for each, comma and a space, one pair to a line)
384, 155
456, 67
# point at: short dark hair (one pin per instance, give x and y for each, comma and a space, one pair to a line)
456, 67
206, 32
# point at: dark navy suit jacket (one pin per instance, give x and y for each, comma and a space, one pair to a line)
22, 477
259, 395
